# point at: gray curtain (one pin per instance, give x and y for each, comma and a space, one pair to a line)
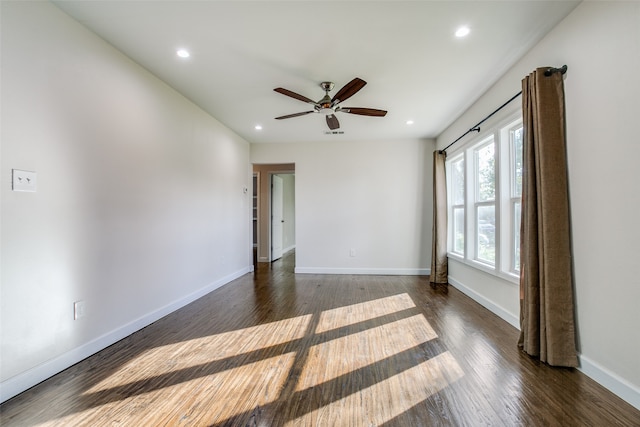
439, 262
546, 282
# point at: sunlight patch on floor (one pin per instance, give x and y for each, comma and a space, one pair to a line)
355, 313
387, 399
163, 360
201, 401
362, 349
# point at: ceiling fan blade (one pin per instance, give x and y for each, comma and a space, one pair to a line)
332, 122
348, 90
364, 111
288, 116
294, 95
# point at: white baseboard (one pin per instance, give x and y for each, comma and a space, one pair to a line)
21, 382
285, 250
505, 315
365, 271
614, 383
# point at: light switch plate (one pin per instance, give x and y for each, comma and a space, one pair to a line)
23, 180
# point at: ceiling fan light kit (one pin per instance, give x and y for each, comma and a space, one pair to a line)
329, 106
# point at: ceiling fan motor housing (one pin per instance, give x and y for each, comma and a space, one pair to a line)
324, 105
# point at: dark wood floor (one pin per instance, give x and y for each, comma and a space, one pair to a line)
275, 349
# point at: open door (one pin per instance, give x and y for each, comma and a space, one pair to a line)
277, 220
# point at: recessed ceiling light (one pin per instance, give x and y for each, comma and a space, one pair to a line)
183, 53
258, 127
463, 31
409, 122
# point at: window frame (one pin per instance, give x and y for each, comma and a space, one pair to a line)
504, 202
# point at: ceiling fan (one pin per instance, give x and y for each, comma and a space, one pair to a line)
329, 106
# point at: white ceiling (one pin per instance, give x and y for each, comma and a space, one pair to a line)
406, 51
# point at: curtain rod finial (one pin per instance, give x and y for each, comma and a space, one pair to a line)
561, 70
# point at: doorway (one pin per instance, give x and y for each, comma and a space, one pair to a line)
274, 231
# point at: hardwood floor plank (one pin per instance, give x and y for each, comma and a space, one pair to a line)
279, 349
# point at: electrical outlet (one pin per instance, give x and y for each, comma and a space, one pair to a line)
352, 252
23, 181
79, 309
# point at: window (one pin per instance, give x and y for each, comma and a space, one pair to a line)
484, 177
515, 168
457, 208
485, 190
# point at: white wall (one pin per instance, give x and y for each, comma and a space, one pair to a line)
139, 207
600, 43
374, 197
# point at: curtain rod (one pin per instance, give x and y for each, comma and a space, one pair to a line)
476, 128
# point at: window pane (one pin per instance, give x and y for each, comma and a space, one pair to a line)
457, 182
486, 233
458, 231
486, 173
516, 149
516, 237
